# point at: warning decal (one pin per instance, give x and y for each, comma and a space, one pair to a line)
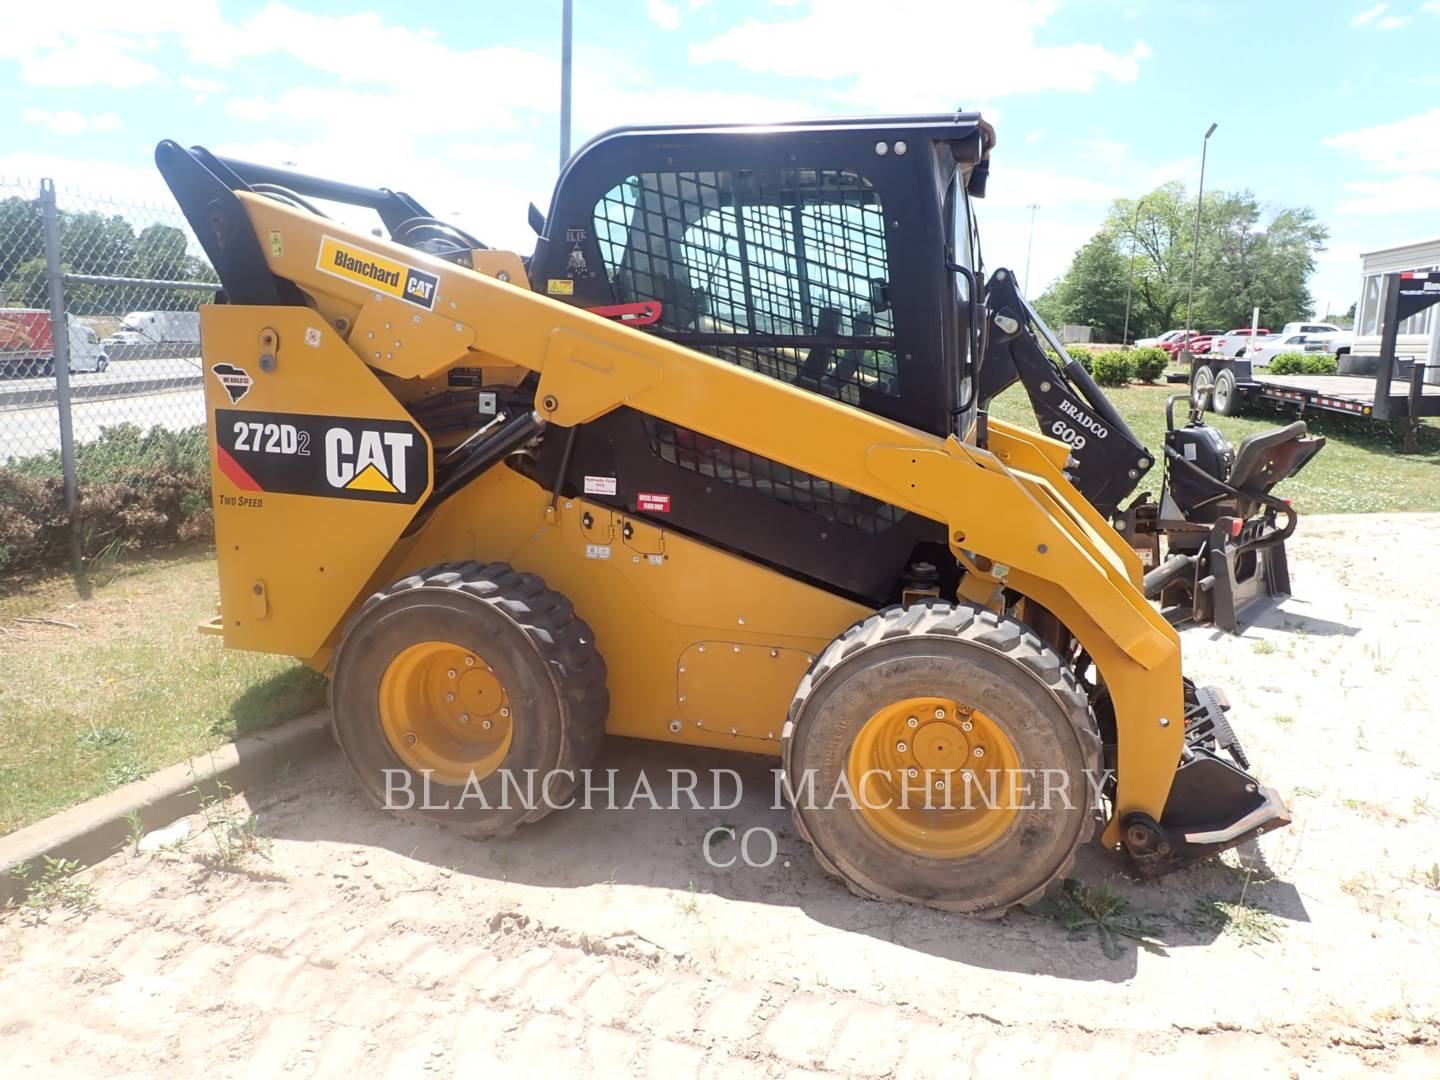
655, 504
599, 485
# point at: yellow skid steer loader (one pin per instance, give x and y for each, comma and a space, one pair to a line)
706, 468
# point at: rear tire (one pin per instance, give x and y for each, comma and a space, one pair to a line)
1202, 382
1225, 393
993, 668
537, 655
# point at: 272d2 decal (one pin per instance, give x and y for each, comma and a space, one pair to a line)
337, 457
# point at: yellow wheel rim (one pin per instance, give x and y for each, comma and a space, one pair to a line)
443, 709
935, 777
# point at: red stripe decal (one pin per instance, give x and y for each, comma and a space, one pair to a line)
234, 472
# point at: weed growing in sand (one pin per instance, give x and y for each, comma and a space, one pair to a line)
1082, 908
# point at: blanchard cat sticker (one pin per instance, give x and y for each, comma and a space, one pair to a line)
337, 457
341, 259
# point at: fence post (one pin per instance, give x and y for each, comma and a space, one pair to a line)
60, 342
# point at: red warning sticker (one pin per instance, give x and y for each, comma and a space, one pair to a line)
655, 504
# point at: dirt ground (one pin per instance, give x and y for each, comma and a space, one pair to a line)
603, 943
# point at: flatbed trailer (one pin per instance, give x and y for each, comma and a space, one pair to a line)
1398, 390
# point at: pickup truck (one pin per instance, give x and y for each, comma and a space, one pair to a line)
1233, 343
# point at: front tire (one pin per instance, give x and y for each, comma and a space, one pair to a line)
918, 690
478, 678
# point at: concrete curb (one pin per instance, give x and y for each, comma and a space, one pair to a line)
97, 829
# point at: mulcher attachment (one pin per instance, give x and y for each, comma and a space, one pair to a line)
1226, 549
1214, 804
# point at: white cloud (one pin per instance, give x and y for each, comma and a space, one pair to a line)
666, 16
1371, 13
1408, 194
201, 86
1409, 145
1393, 22
69, 122
842, 44
1035, 136
1431, 5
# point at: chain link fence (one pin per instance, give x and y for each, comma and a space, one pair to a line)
102, 417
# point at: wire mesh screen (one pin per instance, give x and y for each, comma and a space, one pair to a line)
784, 273
133, 334
126, 385
751, 472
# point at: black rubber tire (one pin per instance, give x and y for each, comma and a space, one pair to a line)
545, 656
974, 655
1226, 393
1202, 376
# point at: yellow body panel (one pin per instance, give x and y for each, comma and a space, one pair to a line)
1008, 508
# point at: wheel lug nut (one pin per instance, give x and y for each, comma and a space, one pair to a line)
979, 751
469, 661
912, 722
453, 673
464, 717
409, 739
966, 726
912, 773
485, 724
504, 712
449, 697
939, 785
900, 746
939, 714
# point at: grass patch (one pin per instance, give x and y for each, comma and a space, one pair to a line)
1245, 922
1085, 909
101, 692
1360, 470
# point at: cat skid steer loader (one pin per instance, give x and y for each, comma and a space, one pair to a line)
707, 468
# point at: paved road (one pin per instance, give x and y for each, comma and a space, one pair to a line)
35, 431
42, 389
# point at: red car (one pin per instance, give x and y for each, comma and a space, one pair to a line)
1198, 341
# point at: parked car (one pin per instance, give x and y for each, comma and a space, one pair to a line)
1262, 350
1339, 343
27, 344
1157, 342
1198, 342
1309, 328
1233, 342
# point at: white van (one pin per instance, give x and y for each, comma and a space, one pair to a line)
27, 344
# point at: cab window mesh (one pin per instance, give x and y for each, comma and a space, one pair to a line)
784, 273
742, 469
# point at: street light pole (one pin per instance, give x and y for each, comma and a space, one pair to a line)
565, 38
1030, 245
1130, 275
1195, 245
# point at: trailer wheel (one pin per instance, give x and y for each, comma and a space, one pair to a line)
1225, 393
934, 723
1202, 383
469, 695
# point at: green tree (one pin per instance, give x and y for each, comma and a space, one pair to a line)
94, 244
22, 236
1244, 262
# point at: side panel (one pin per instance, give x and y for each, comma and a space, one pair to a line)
702, 647
315, 470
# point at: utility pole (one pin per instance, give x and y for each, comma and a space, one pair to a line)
1130, 276
566, 20
1195, 246
1029, 246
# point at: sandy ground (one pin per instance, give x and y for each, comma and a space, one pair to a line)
603, 942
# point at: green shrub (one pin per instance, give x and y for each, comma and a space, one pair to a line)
1082, 356
137, 489
1304, 364
1150, 364
1112, 368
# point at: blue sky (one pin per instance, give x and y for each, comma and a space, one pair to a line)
1334, 105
